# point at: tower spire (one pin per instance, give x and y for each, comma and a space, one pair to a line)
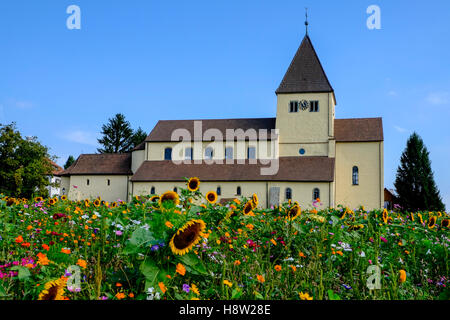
306, 20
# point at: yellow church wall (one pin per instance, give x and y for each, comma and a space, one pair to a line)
368, 157
305, 126
98, 186
311, 149
301, 191
137, 158
155, 150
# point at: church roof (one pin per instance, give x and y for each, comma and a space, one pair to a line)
314, 169
305, 73
103, 163
162, 132
358, 130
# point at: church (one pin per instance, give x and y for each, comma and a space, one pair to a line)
303, 154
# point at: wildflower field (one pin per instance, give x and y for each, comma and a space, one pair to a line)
187, 246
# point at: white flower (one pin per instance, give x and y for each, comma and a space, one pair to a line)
150, 290
362, 254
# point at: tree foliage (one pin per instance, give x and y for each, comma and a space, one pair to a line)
24, 164
69, 162
118, 136
415, 183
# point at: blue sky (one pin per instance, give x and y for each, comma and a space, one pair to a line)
155, 60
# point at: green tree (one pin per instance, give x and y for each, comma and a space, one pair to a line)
24, 164
415, 185
69, 162
138, 136
117, 135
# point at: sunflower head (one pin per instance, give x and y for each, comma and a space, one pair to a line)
97, 202
445, 223
64, 198
432, 222
293, 212
248, 207
169, 197
193, 184
51, 202
187, 237
211, 197
255, 200
53, 290
114, 205
38, 199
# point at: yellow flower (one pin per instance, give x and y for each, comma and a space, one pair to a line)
195, 289
228, 283
169, 196
193, 184
211, 196
273, 241
304, 296
187, 237
402, 276
53, 290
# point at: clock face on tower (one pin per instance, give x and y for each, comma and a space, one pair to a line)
304, 104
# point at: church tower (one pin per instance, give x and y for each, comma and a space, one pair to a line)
305, 107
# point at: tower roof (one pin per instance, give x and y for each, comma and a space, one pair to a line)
305, 73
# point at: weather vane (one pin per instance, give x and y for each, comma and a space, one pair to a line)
306, 20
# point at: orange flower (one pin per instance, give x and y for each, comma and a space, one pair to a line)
42, 259
302, 255
169, 224
277, 268
26, 244
250, 226
45, 247
120, 295
19, 239
237, 262
260, 278
273, 241
162, 287
294, 268
131, 295
181, 269
118, 284
82, 263
66, 251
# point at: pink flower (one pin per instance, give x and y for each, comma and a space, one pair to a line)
383, 239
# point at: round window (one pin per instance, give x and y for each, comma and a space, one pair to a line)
302, 151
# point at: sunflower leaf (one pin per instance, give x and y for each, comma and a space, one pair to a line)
23, 274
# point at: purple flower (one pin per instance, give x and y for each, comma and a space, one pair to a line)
346, 286
118, 232
186, 288
154, 247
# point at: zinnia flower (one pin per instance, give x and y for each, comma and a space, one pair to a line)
187, 237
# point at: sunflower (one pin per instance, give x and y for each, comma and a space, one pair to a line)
385, 216
431, 222
193, 184
97, 202
154, 199
51, 202
412, 217
64, 198
169, 196
248, 207
187, 237
255, 200
420, 218
38, 199
114, 205
445, 223
53, 290
211, 196
293, 212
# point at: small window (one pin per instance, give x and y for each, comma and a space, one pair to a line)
314, 106
175, 189
168, 154
87, 181
251, 153
355, 176
188, 153
209, 153
108, 182
219, 191
302, 151
316, 194
152, 190
293, 106
238, 191
288, 194
228, 153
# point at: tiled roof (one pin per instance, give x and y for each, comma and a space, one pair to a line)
99, 164
314, 169
358, 130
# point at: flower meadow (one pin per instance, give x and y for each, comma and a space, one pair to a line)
188, 246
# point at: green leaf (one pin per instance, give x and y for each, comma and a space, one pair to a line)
2, 291
150, 271
23, 274
236, 294
333, 296
139, 238
258, 295
193, 264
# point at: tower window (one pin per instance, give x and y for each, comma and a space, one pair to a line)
219, 191
288, 194
293, 106
238, 191
316, 194
251, 153
228, 153
168, 154
355, 176
208, 153
314, 106
188, 154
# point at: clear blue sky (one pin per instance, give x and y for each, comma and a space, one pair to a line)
155, 60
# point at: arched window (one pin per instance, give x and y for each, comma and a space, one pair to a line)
188, 153
316, 194
87, 181
175, 189
355, 175
228, 153
208, 153
108, 182
168, 154
152, 190
238, 191
288, 194
219, 191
